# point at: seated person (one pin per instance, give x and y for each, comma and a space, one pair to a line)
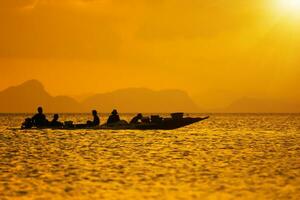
137, 119
27, 124
114, 117
39, 120
55, 122
96, 120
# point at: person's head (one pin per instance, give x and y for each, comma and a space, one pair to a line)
140, 116
114, 112
55, 117
40, 110
94, 112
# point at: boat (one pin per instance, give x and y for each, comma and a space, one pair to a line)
155, 123
165, 124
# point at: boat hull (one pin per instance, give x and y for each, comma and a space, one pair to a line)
166, 124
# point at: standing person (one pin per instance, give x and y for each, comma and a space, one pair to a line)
96, 120
39, 120
114, 117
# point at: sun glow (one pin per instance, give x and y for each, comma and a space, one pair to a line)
290, 7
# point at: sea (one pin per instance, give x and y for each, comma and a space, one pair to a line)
228, 156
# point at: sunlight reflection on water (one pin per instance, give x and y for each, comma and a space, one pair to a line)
226, 157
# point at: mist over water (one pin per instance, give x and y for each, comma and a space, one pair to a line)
229, 156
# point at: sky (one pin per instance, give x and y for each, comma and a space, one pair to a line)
218, 50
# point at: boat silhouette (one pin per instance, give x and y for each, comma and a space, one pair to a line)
155, 123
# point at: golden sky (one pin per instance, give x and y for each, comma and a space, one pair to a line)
217, 50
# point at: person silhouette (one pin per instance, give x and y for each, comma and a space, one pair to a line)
27, 124
114, 117
39, 120
136, 119
96, 120
55, 122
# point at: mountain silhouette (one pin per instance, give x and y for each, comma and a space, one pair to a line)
142, 100
31, 94
25, 98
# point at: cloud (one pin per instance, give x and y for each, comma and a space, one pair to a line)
193, 19
56, 30
107, 29
13, 4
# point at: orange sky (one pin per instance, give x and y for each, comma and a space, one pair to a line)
217, 50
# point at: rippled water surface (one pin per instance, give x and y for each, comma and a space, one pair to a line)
226, 157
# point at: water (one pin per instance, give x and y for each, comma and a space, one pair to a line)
226, 157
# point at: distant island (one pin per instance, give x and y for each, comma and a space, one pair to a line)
256, 105
26, 97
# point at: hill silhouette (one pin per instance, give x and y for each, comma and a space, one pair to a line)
142, 100
31, 94
28, 96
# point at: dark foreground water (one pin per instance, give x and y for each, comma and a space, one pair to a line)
227, 157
